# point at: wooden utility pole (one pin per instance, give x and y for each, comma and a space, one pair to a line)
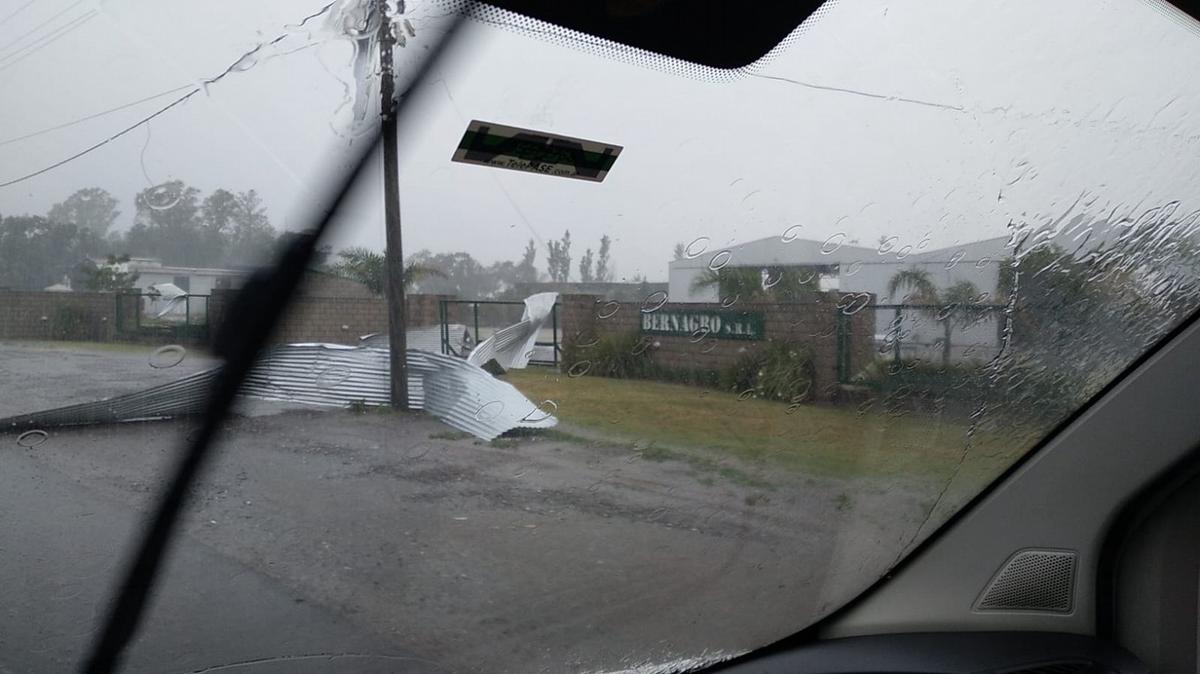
397, 336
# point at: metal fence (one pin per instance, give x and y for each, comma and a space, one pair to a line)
481, 318
939, 332
150, 316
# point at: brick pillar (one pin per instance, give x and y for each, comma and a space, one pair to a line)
423, 310
219, 301
577, 318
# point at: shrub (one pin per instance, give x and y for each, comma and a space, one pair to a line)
780, 371
627, 356
622, 356
1021, 384
69, 322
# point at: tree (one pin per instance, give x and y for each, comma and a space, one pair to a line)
956, 306
961, 309
558, 258
35, 252
167, 225
252, 238
585, 267
918, 284
921, 291
680, 251
217, 214
604, 270
370, 269
91, 208
758, 284
525, 271
108, 277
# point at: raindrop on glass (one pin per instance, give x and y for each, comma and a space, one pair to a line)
167, 356
696, 248
833, 243
790, 234
489, 411
30, 439
609, 309
853, 303
333, 377
654, 301
164, 196
719, 260
544, 411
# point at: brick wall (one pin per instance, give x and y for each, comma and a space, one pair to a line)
36, 314
323, 284
814, 324
336, 320
313, 315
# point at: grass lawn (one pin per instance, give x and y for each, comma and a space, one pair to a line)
676, 421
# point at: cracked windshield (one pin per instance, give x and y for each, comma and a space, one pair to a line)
605, 363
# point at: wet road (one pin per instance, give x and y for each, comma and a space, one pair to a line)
387, 535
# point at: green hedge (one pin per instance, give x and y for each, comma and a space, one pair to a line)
780, 371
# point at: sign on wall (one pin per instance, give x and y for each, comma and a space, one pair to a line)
691, 322
508, 147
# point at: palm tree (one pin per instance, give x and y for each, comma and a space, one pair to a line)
918, 284
786, 284
960, 309
920, 290
370, 269
958, 303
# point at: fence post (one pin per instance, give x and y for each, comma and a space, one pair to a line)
843, 351
443, 328
476, 308
554, 332
898, 321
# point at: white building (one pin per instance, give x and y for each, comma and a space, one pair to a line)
193, 280
196, 282
854, 269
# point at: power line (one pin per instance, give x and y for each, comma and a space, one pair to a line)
48, 39
106, 141
9, 141
142, 121
16, 12
38, 27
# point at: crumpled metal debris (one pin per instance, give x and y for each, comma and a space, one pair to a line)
512, 347
457, 391
332, 375
426, 339
171, 294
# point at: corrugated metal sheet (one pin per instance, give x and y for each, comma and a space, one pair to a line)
463, 395
178, 398
512, 347
425, 339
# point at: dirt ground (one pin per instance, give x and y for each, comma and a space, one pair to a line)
388, 542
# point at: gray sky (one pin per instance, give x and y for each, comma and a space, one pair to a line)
909, 119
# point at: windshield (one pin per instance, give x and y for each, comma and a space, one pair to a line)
764, 334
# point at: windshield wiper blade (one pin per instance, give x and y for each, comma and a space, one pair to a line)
243, 334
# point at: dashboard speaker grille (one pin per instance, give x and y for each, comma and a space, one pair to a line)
1032, 580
